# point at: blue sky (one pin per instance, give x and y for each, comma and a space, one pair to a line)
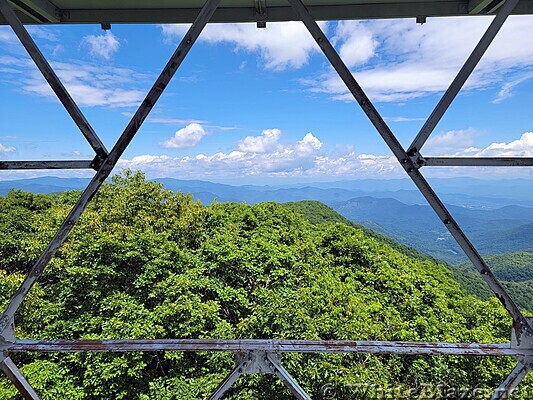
256, 105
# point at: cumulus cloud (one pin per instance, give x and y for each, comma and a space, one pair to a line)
410, 60
6, 149
460, 143
522, 147
266, 156
267, 141
104, 45
357, 43
449, 143
279, 45
186, 137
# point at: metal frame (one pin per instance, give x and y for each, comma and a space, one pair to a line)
87, 12
262, 355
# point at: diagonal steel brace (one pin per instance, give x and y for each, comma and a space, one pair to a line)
15, 376
411, 167
259, 362
462, 76
505, 390
53, 80
102, 173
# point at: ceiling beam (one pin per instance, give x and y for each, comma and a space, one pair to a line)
368, 10
41, 11
495, 6
476, 6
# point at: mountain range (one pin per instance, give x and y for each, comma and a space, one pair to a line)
497, 215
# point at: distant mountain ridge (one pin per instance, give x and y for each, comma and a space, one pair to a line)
494, 222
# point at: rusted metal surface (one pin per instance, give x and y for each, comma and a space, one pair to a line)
505, 390
411, 161
16, 377
301, 346
75, 164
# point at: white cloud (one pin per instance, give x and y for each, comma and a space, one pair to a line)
104, 45
507, 89
90, 85
460, 143
403, 119
303, 158
522, 147
358, 44
7, 35
186, 137
6, 149
411, 60
267, 141
280, 45
449, 143
173, 121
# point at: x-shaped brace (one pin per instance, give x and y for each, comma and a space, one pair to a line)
411, 160
104, 161
259, 362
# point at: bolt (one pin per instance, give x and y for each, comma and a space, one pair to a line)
188, 41
320, 40
447, 221
405, 161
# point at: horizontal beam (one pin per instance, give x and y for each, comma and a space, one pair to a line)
299, 346
477, 162
275, 13
74, 164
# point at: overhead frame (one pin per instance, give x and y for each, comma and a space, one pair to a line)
263, 356
185, 11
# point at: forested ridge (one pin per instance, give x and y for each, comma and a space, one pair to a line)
145, 262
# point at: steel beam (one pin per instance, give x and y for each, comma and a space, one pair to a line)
367, 10
75, 164
477, 162
259, 362
228, 381
16, 377
41, 11
520, 323
287, 379
241, 345
496, 7
462, 76
505, 390
476, 6
52, 79
105, 169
